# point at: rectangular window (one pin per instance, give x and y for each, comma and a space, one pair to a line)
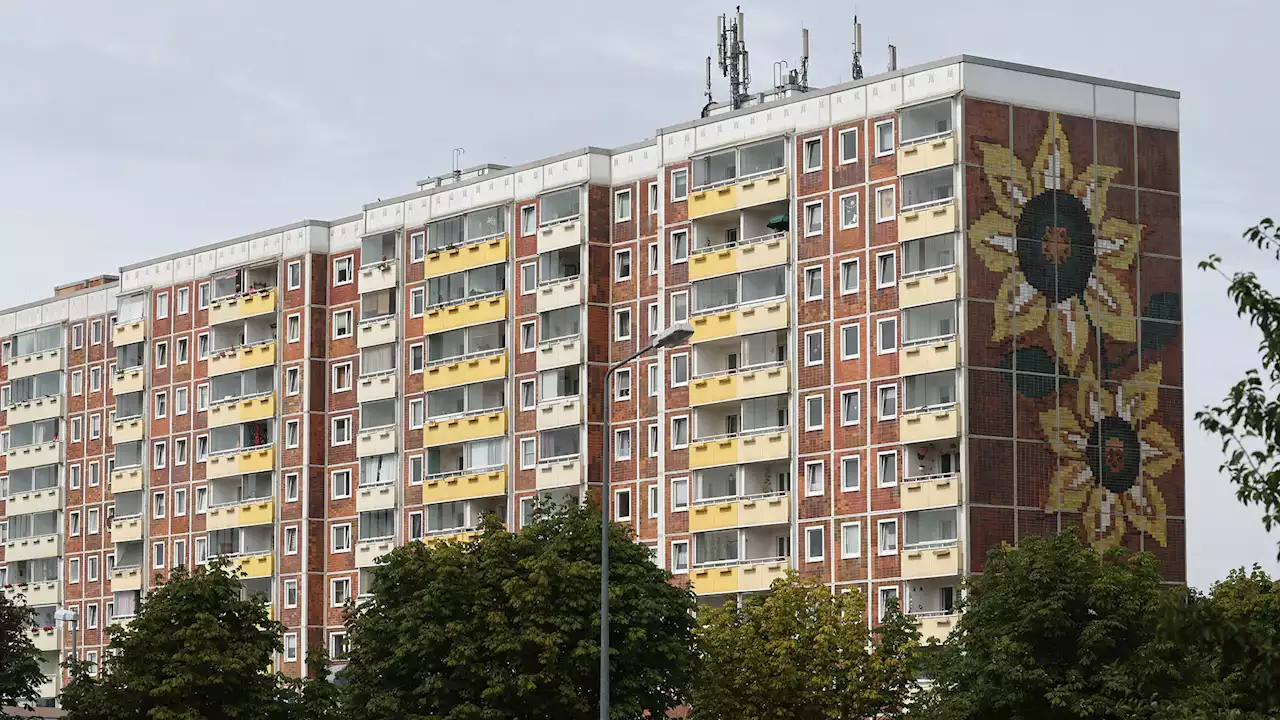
342, 377
886, 203
849, 206
528, 220
622, 505
95, 379
886, 270
653, 198
417, 469
814, 544
679, 306
653, 319
652, 495
340, 538
622, 265
291, 639
291, 593
202, 346
850, 341
887, 469
291, 487
886, 335
622, 445
416, 526
179, 503
162, 355
528, 453
622, 324
162, 405
528, 337
812, 152
77, 382
848, 146
680, 556
814, 478
180, 401
679, 432
291, 434
293, 328
340, 483
73, 571
180, 451
293, 273
159, 455
884, 138
528, 394
529, 278
339, 591
850, 540
77, 336
813, 283
850, 276
888, 401
679, 185
679, 246
291, 541
157, 505
202, 295
653, 439
622, 384
95, 332
342, 430
201, 551
341, 324
184, 301
851, 473
813, 413
812, 219
91, 521
158, 554
850, 407
653, 258
813, 348
202, 500
887, 532
680, 494
342, 271
417, 413
417, 358
162, 305
622, 206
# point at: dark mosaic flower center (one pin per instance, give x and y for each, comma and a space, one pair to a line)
1114, 453
1056, 245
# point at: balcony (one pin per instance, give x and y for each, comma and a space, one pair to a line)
33, 547
124, 579
128, 332
368, 551
127, 529
773, 314
41, 408
749, 191
45, 638
460, 535
928, 355
129, 380
928, 219
932, 560
765, 509
559, 472
125, 479
258, 511
927, 153
929, 287
244, 357
461, 428
751, 576
376, 441
376, 331
376, 497
751, 254
559, 352
475, 253
241, 410
935, 625
754, 446
930, 491
34, 501
476, 310
376, 386
243, 305
29, 456
255, 566
464, 485
476, 367
739, 384
46, 592
36, 363
242, 461
559, 412
563, 234
128, 429
380, 275
562, 293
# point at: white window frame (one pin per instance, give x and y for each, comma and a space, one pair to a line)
889, 188
285, 596
678, 507
857, 419
182, 301
880, 401
333, 441
822, 478
675, 260
814, 270
288, 275
617, 321
162, 305
524, 348
336, 368
652, 496
880, 322
617, 505
290, 388
350, 262
674, 173
856, 264
417, 413
893, 140
804, 153
857, 217
881, 535
417, 358
528, 278
622, 384
292, 487
844, 346
417, 246
291, 532
880, 483
856, 485
810, 531
822, 221
893, 260
655, 263
333, 538
617, 265
687, 554
687, 371
617, 200
417, 302
857, 151
845, 529
687, 432
809, 362
334, 584
526, 213
350, 324
822, 411
618, 435
293, 328
532, 384
653, 438
524, 442
653, 198
294, 427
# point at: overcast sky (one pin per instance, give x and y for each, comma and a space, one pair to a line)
130, 130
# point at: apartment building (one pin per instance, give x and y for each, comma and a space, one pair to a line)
935, 310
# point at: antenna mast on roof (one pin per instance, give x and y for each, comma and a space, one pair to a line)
804, 58
893, 58
457, 163
857, 49
731, 46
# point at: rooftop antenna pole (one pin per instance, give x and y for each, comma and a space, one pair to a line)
731, 50
708, 90
457, 163
804, 58
893, 58
857, 49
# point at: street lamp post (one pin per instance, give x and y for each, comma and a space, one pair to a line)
670, 337
73, 617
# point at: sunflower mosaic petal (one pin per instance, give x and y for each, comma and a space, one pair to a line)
1163, 454
1070, 332
992, 239
1117, 243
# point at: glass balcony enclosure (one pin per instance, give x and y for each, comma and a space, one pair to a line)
745, 227
465, 399
727, 291
561, 264
464, 229
129, 554
129, 504
256, 587
35, 386
128, 454
37, 341
130, 308
931, 460
743, 417
378, 360
377, 414
745, 545
374, 305
929, 528
475, 340
379, 248
928, 323
719, 357
565, 442
25, 572
245, 436
462, 515
376, 524
35, 433
241, 489
931, 597
378, 470
255, 540
468, 457
928, 255
130, 405
729, 165
130, 356
562, 323
34, 524
233, 386
560, 383
241, 280
31, 479
720, 484
459, 286
930, 391
926, 188
924, 122
249, 331
559, 206
125, 603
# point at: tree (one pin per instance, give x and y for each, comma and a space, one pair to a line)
802, 652
20, 674
195, 651
507, 626
1055, 631
1248, 420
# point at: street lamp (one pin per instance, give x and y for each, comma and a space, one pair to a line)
73, 617
670, 337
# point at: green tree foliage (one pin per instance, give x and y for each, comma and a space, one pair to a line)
1054, 631
803, 653
20, 674
507, 626
1248, 420
195, 651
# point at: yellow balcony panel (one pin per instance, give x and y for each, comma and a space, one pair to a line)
244, 514
368, 551
241, 462
936, 219
930, 492
34, 501
461, 536
929, 357
255, 566
490, 365
760, 189
45, 638
376, 386
240, 410
33, 548
559, 294
36, 593
926, 154
936, 626
774, 509
376, 441
381, 275
129, 381
713, 516
451, 430
37, 409
488, 251
127, 333
559, 413
931, 561
29, 456
760, 576
714, 580
740, 384
375, 497
929, 424
126, 479
375, 332
752, 254
35, 364
244, 305
559, 473
464, 486
560, 235
713, 200
127, 429
124, 579
744, 320
245, 357
760, 447
127, 529
560, 352
927, 289
485, 309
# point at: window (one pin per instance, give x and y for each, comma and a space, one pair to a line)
202, 295
887, 532
158, 454
679, 432
77, 382
850, 341
813, 348
814, 544
95, 379
162, 404
528, 220
679, 370
622, 206
887, 469
812, 219
888, 401
73, 523
653, 198
622, 384
653, 439
528, 394
293, 328
91, 569
528, 453
73, 571
293, 272
848, 146
91, 616
77, 336
417, 413
76, 429
622, 324
73, 478
291, 593
157, 554
679, 185
342, 377
180, 451
162, 305
202, 398
340, 482
528, 337
886, 203
850, 407
679, 246
851, 473
342, 430
529, 278
180, 401
814, 478
180, 350
849, 211
202, 500
813, 283
850, 540
339, 591
680, 556
93, 474
417, 358
291, 639
291, 487
653, 500
179, 503
886, 335
884, 138
417, 469
157, 505
91, 521
622, 445
341, 324
184, 301
653, 319
291, 541
653, 379
679, 306
622, 265
621, 505
886, 270
812, 154
338, 646
291, 434
813, 413
95, 332
162, 355
179, 552
680, 494
340, 538
850, 276
342, 271
201, 551
653, 258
